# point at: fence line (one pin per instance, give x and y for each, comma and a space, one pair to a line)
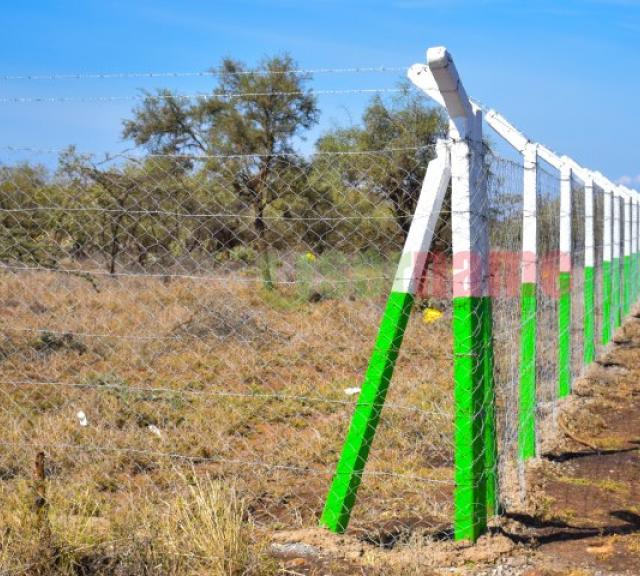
212, 394
130, 75
477, 313
195, 96
126, 156
223, 305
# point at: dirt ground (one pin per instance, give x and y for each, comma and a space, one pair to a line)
580, 515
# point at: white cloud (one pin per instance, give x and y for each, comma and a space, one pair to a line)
629, 180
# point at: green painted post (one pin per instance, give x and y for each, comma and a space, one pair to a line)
489, 424
528, 307
564, 335
589, 303
346, 481
527, 409
589, 316
615, 299
470, 507
635, 278
626, 283
632, 280
342, 494
606, 302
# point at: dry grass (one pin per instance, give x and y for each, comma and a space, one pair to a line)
244, 386
215, 415
605, 485
210, 522
633, 544
203, 529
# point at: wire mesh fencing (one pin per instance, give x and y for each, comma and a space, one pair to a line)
598, 275
152, 322
149, 329
548, 241
577, 279
194, 310
505, 211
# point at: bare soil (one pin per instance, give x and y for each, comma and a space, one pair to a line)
587, 485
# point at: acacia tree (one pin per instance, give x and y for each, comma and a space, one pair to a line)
393, 144
26, 233
244, 129
134, 209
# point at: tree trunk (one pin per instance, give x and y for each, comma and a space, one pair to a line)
263, 247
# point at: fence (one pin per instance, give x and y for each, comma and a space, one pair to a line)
582, 251
204, 310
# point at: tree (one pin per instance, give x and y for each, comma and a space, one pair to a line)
392, 148
26, 231
134, 210
244, 130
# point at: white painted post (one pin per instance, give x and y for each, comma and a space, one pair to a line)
528, 306
529, 223
589, 347
475, 448
626, 277
416, 247
636, 245
615, 285
607, 257
564, 305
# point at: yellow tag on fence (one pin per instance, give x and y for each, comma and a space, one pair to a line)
430, 315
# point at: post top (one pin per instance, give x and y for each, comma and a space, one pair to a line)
438, 57
439, 79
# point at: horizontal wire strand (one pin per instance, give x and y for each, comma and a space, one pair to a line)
200, 74
215, 394
186, 97
214, 460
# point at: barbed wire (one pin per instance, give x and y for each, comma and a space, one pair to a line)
185, 156
192, 74
218, 460
202, 394
133, 212
207, 277
198, 95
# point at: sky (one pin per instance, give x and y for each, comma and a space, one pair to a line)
566, 72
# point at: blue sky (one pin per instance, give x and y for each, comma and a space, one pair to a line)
567, 71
